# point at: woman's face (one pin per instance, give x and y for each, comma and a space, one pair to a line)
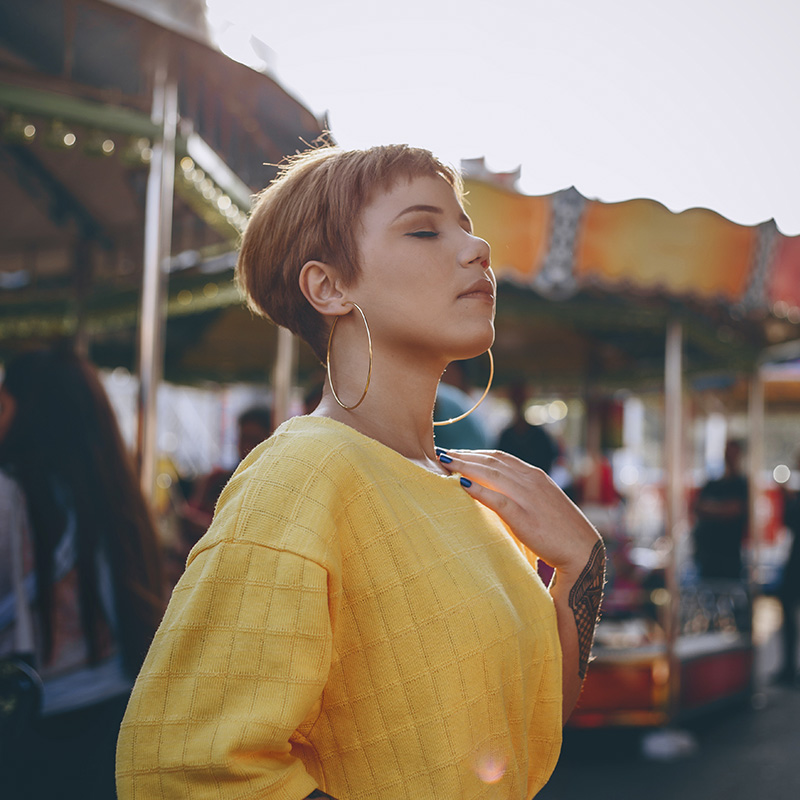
425, 283
8, 408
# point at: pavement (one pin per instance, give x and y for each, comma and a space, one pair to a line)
749, 752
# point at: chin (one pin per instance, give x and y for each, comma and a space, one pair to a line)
487, 338
473, 346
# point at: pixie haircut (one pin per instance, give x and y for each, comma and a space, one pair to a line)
312, 212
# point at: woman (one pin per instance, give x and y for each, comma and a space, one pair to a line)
358, 622
92, 562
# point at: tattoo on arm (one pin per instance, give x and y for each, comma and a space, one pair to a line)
584, 600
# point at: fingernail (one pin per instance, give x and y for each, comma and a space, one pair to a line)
445, 459
466, 482
439, 450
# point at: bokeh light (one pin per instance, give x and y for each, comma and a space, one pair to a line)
491, 767
781, 473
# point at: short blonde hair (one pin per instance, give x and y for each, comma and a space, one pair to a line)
310, 212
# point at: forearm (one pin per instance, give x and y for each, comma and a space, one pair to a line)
577, 601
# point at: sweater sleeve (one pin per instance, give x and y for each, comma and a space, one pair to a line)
237, 667
233, 681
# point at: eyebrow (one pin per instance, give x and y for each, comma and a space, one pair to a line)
431, 210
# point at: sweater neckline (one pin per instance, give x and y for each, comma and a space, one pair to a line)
384, 451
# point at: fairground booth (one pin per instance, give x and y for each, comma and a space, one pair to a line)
130, 148
666, 334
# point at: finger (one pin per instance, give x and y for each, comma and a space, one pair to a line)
487, 456
475, 454
469, 461
499, 502
493, 469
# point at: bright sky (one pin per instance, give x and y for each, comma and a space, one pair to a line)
688, 102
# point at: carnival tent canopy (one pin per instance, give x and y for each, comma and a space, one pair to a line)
77, 135
560, 242
597, 283
586, 290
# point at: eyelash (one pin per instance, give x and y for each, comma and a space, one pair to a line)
424, 234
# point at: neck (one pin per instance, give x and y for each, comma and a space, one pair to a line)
398, 408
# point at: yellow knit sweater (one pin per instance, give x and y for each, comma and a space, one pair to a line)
351, 622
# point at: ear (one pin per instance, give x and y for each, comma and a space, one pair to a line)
320, 283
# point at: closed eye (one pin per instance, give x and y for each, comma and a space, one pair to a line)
424, 234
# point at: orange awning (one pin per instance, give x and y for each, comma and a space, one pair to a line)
638, 246
515, 225
642, 244
784, 283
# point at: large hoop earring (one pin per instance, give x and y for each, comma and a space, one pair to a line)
482, 398
328, 360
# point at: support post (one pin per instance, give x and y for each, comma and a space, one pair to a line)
82, 270
755, 462
673, 516
157, 246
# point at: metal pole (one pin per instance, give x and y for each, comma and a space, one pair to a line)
157, 246
755, 424
283, 375
673, 517
82, 270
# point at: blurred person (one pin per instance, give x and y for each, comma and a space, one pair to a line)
595, 487
721, 509
359, 622
92, 568
531, 443
789, 590
254, 425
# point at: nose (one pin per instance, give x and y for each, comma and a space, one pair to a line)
476, 250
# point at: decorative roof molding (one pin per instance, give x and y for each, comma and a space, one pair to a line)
556, 280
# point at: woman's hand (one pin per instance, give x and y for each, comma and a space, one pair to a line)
538, 513
546, 521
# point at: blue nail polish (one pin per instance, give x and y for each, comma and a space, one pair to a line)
445, 459
466, 482
439, 450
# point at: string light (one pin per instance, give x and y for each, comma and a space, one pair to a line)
16, 128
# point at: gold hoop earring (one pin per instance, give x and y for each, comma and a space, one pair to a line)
328, 360
482, 398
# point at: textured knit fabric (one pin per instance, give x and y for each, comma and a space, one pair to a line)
351, 622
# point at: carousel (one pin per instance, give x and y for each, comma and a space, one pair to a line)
127, 165
687, 321
130, 148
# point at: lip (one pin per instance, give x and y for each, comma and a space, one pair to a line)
482, 289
